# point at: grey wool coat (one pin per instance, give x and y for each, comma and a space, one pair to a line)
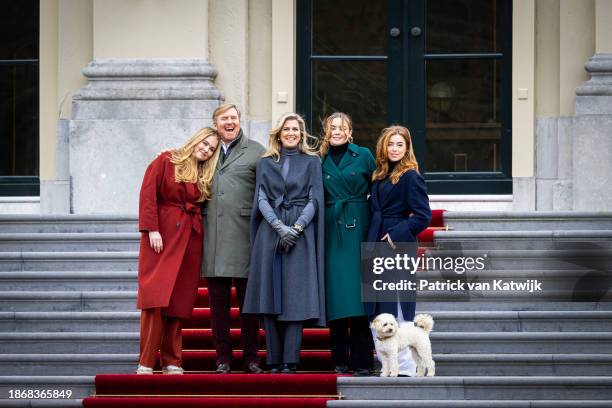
294, 288
228, 213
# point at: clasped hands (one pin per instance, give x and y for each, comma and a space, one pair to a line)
288, 235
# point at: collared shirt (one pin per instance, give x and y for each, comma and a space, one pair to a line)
227, 148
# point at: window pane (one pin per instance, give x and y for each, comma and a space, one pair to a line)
463, 115
462, 26
19, 120
349, 27
19, 30
356, 88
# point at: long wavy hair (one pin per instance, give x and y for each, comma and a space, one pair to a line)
347, 128
408, 162
187, 169
274, 142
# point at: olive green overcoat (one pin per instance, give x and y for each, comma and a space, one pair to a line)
227, 214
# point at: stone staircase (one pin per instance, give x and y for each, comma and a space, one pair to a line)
523, 352
67, 303
67, 312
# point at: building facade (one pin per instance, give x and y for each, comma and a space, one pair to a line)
509, 101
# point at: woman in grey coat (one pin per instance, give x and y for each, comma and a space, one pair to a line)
286, 279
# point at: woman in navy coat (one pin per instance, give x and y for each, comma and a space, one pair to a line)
400, 211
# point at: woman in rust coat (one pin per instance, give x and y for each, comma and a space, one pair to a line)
174, 185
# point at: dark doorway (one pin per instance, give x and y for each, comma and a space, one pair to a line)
442, 68
19, 107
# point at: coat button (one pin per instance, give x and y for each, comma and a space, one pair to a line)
353, 173
178, 224
328, 177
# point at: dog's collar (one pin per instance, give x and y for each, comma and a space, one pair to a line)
381, 339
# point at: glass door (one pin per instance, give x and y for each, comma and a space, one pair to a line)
441, 68
19, 163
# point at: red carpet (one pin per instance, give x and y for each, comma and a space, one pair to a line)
308, 389
194, 402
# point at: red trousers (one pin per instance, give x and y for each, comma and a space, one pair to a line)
163, 333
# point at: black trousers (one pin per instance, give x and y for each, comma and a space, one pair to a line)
220, 294
351, 342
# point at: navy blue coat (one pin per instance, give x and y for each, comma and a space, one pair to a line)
401, 210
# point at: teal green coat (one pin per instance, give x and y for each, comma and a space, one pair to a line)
347, 219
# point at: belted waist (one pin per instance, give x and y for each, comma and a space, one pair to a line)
193, 210
339, 206
281, 202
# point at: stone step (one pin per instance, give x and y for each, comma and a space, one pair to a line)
442, 343
69, 321
476, 304
446, 364
37, 403
445, 321
477, 388
64, 301
80, 385
469, 404
123, 300
523, 364
69, 261
68, 223
68, 242
69, 280
525, 221
528, 240
534, 259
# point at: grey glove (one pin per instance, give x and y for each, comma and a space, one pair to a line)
288, 236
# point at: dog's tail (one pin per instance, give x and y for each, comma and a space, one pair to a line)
424, 321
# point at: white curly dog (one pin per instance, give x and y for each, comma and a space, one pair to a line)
390, 339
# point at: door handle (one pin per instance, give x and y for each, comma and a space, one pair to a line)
416, 31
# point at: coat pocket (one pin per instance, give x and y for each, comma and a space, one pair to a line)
245, 212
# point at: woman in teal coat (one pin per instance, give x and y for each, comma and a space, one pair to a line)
347, 174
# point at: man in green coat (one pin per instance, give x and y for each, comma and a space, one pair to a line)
226, 236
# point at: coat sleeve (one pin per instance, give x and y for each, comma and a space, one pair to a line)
417, 201
370, 165
151, 184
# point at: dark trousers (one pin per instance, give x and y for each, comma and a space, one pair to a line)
283, 341
351, 342
220, 294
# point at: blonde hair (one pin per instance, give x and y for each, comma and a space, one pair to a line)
327, 124
187, 169
274, 143
408, 162
222, 108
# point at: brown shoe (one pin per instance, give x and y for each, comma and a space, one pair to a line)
253, 368
223, 368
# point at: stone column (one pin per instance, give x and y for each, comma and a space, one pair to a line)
592, 138
150, 87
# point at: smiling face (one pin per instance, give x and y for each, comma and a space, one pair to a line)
290, 134
340, 132
206, 148
228, 125
396, 148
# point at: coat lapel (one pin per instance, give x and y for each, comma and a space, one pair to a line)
236, 152
330, 168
